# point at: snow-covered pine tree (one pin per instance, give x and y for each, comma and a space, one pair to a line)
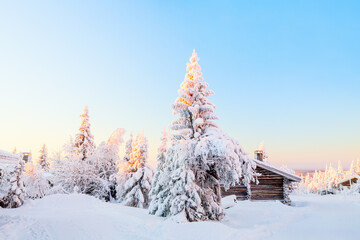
194, 109
4, 187
357, 166
112, 151
201, 156
84, 141
73, 172
106, 155
77, 170
36, 185
121, 176
128, 149
105, 158
352, 170
136, 188
43, 158
17, 191
340, 171
157, 185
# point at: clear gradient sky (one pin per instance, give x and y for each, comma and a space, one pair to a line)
284, 72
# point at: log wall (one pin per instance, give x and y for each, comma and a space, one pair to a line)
347, 183
240, 191
270, 187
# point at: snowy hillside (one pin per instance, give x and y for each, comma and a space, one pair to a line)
84, 217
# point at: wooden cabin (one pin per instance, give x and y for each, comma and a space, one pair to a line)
273, 184
348, 181
7, 161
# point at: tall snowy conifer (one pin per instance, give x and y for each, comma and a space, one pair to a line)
136, 188
201, 156
84, 141
43, 158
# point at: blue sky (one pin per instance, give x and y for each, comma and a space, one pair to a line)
284, 72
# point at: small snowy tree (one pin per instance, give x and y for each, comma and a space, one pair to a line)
340, 171
4, 186
357, 166
36, 185
121, 176
128, 149
16, 195
84, 141
352, 171
201, 156
74, 172
43, 158
138, 175
161, 156
106, 155
105, 158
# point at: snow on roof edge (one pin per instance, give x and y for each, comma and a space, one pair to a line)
7, 158
348, 178
271, 168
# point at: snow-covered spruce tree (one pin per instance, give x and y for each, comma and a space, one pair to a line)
106, 155
121, 176
201, 156
135, 191
4, 186
75, 172
36, 185
157, 185
105, 158
17, 193
128, 149
43, 158
84, 141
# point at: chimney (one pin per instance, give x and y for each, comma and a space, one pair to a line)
259, 155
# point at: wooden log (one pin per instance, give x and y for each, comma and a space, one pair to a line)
266, 188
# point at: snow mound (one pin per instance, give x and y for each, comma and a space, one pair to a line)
229, 201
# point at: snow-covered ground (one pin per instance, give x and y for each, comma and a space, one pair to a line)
84, 217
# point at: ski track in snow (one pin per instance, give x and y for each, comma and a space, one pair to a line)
79, 216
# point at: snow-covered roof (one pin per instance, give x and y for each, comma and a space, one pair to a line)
348, 178
7, 158
276, 170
